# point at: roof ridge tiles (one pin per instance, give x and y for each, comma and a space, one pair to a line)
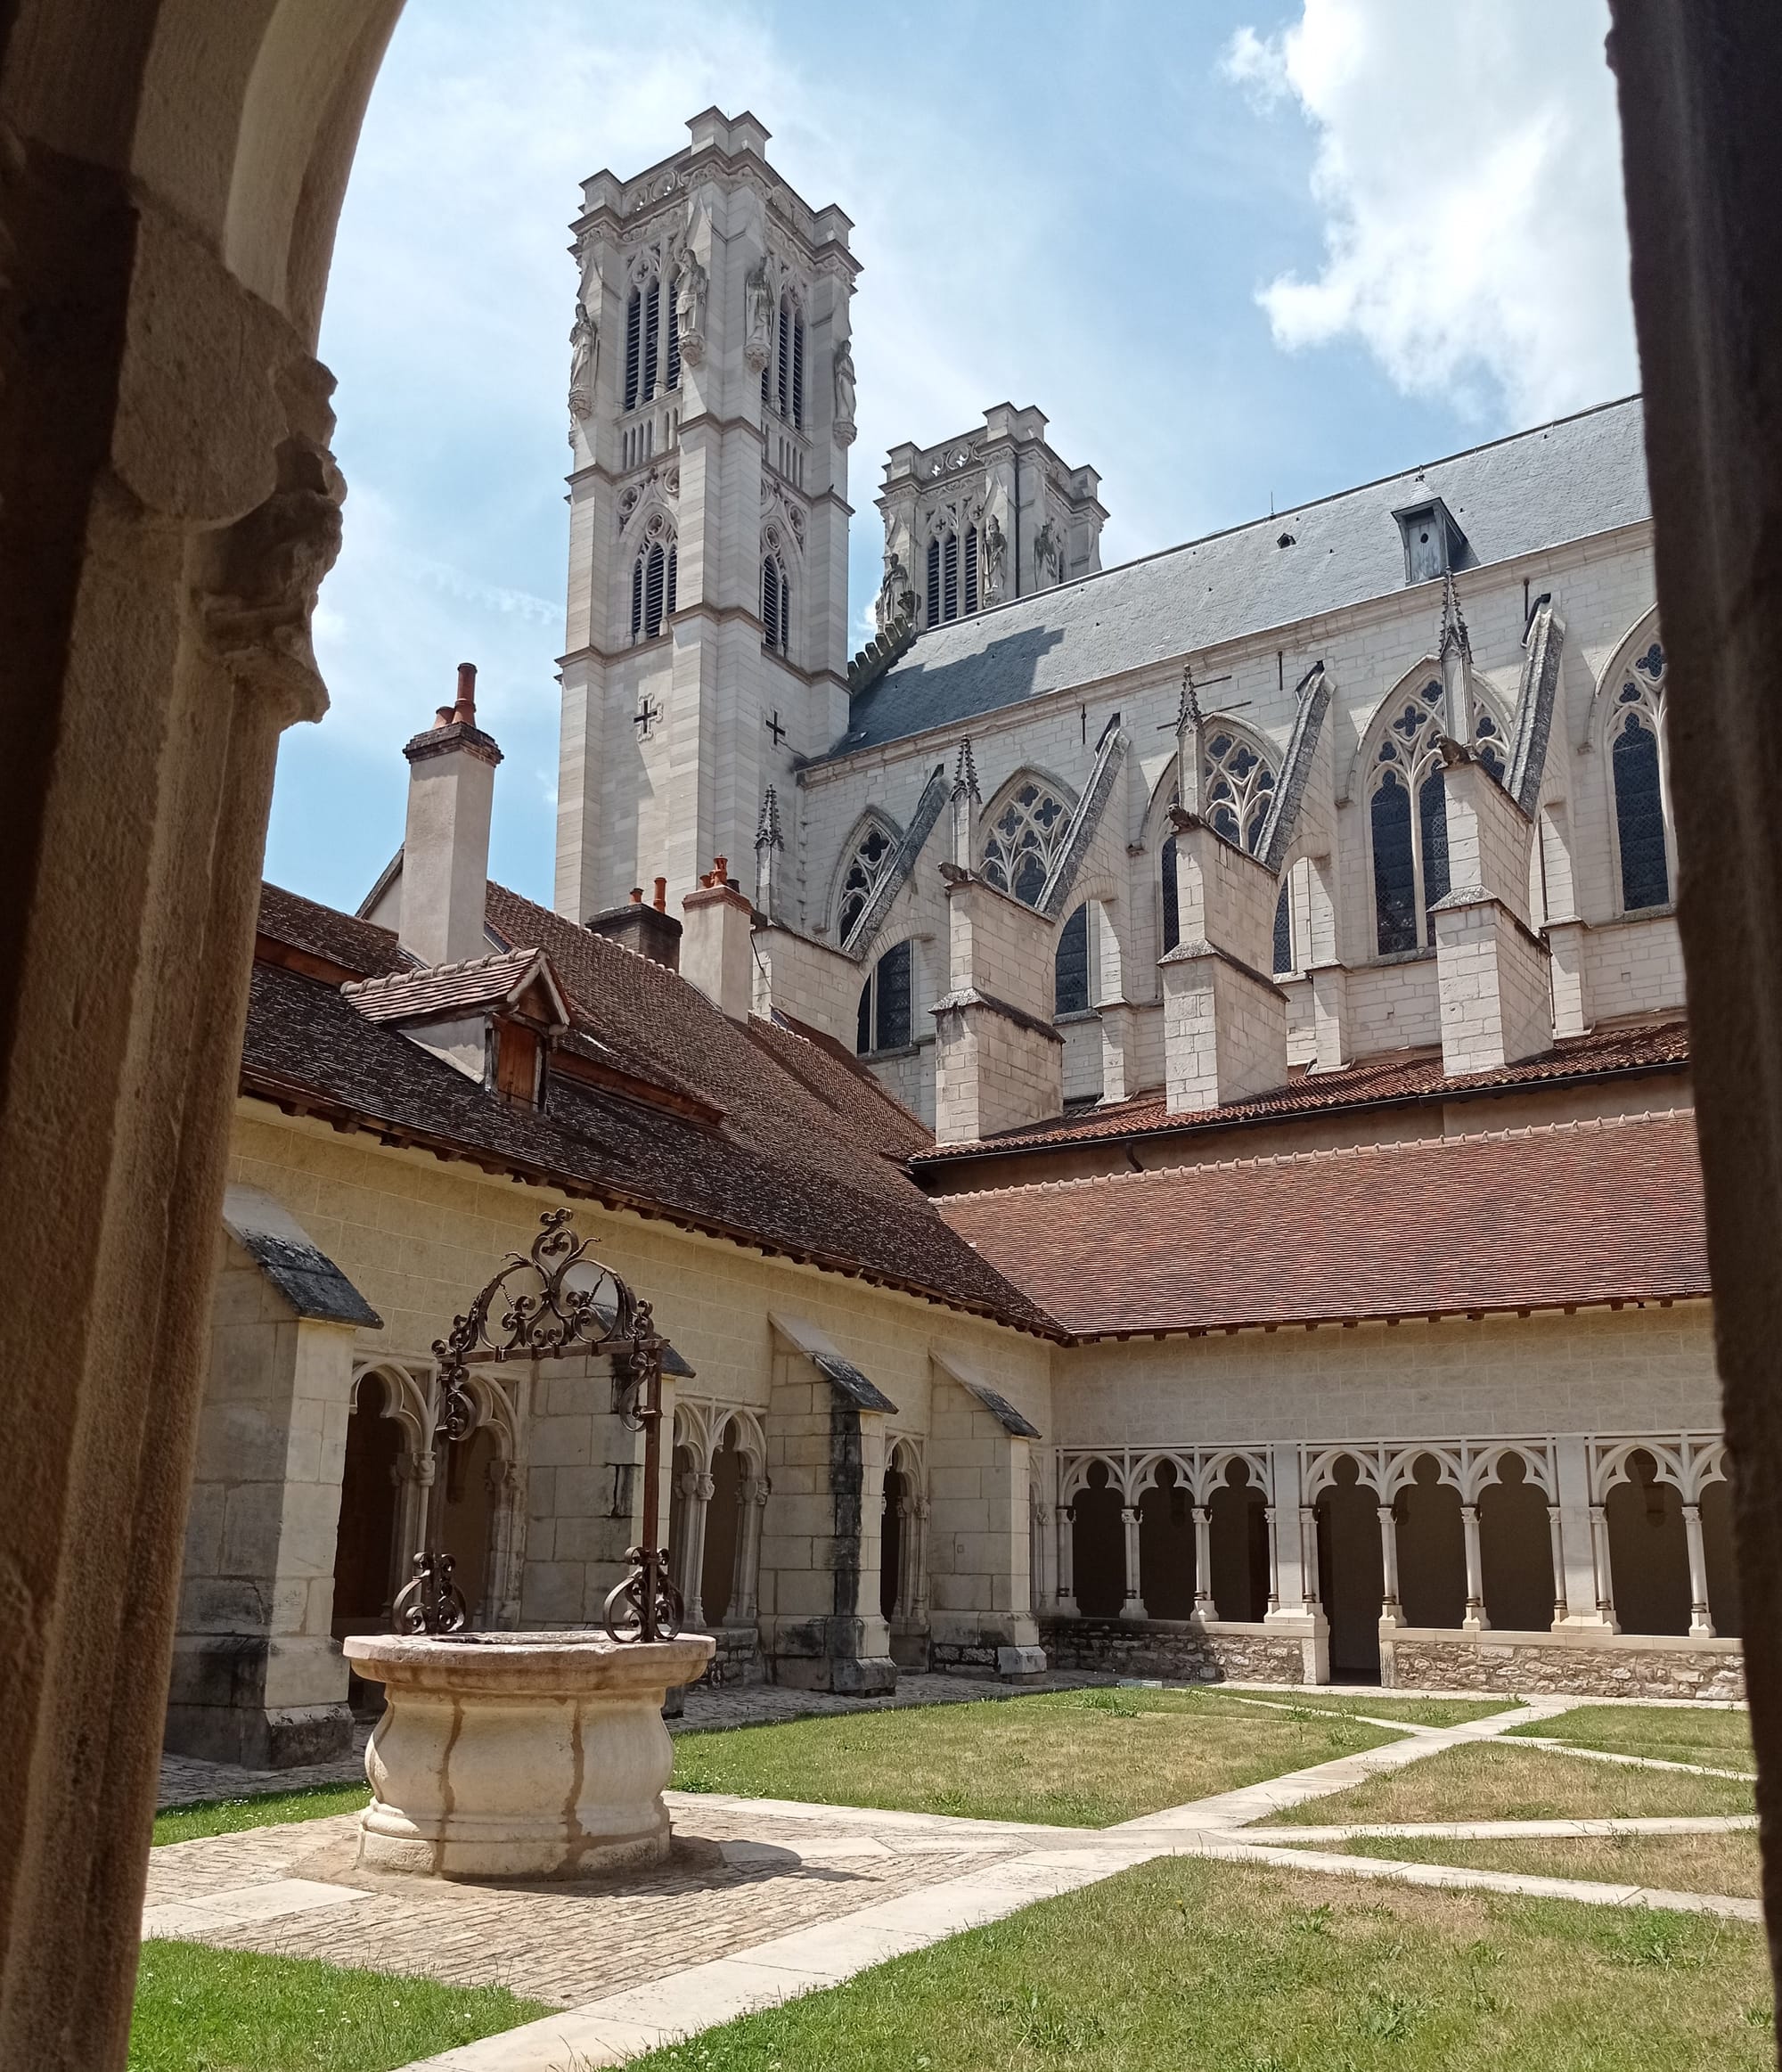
420, 974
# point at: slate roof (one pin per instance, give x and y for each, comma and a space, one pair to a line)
1581, 1213
1659, 1047
808, 1160
1568, 480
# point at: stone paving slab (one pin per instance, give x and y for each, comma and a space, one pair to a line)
1518, 1831
1558, 1747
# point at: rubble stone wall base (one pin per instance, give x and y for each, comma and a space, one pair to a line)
1180, 1650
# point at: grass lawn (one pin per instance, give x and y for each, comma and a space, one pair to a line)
1186, 1966
228, 1816
1417, 1711
199, 2010
1068, 1758
1675, 1733
1498, 1781
1723, 1863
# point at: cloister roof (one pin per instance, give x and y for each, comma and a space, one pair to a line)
1564, 481
794, 1148
1661, 1047
1551, 1216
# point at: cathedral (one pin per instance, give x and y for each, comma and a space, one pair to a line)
1152, 1104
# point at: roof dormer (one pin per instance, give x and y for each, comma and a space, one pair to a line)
1434, 544
493, 1019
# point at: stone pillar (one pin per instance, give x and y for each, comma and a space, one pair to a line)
257, 1678
1475, 1621
1605, 1580
978, 1475
1308, 1551
1119, 1051
1556, 1532
1132, 1606
1491, 967
1701, 1622
1041, 1580
583, 1497
1389, 1608
1203, 1563
696, 1493
1269, 1518
1578, 1534
1566, 975
1224, 1017
999, 1061
747, 1592
1066, 1592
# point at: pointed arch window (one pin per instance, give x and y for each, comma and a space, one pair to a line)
671, 368
873, 856
1283, 949
782, 378
1407, 818
776, 601
653, 582
1637, 747
1070, 965
885, 1020
1025, 840
1240, 788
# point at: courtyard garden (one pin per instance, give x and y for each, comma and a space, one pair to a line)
1317, 1958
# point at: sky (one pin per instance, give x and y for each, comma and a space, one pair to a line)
1242, 254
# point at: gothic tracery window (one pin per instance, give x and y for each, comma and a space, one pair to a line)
1636, 735
1025, 841
1240, 788
872, 858
1408, 823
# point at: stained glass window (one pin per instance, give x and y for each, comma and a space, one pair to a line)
1283, 957
1171, 916
1071, 964
1241, 789
1411, 849
885, 1022
1639, 812
871, 858
1395, 866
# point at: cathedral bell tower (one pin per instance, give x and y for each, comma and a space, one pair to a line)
711, 408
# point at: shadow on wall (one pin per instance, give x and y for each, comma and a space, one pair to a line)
917, 694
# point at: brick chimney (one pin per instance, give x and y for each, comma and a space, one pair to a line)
445, 844
716, 953
644, 926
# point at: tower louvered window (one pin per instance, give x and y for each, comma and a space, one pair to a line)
652, 313
633, 348
775, 603
652, 588
671, 377
970, 569
934, 582
798, 370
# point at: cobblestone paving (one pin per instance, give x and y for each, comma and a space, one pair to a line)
725, 1889
186, 1778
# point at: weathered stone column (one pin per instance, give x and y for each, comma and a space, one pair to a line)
1133, 1605
1475, 1621
1269, 1516
1701, 1622
1389, 1608
1203, 1562
1556, 1532
1600, 1548
747, 1592
1066, 1594
698, 1496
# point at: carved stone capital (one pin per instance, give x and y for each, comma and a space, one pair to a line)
259, 576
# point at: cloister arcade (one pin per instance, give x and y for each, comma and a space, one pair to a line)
1467, 1535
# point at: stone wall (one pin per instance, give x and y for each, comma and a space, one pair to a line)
1581, 1665
1182, 1651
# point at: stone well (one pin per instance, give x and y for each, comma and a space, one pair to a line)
519, 1754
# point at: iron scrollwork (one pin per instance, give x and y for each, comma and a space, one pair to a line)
552, 1303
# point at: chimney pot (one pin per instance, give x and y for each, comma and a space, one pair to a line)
465, 709
637, 896
662, 900
442, 715
720, 870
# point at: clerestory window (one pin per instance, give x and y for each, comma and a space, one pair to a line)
885, 1020
1636, 735
1025, 840
1408, 824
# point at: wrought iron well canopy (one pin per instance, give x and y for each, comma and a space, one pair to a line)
555, 1302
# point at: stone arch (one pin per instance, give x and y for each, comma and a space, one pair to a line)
1096, 1500
1714, 1496
1236, 1491
1424, 1494
384, 1472
1168, 1579
1642, 1485
1513, 1488
1344, 1488
479, 1506
1629, 728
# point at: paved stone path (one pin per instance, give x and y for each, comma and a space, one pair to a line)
764, 1900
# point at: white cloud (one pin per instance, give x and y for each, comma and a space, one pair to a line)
1468, 173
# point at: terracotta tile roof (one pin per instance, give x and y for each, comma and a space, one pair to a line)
798, 1164
1658, 1047
1577, 1213
337, 938
435, 990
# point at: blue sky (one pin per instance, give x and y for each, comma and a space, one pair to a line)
1239, 254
